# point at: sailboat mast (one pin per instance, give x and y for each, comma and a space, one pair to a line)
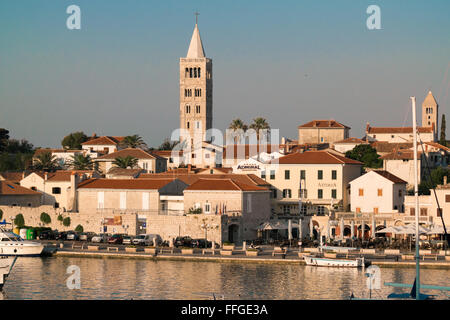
416, 197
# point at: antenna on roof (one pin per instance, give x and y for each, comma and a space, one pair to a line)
196, 16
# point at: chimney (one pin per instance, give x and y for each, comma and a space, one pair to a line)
445, 181
189, 168
46, 176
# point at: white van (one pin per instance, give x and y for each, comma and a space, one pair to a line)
147, 240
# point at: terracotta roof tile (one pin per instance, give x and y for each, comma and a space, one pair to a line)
105, 140
13, 176
189, 179
315, 157
390, 176
222, 185
135, 153
323, 124
351, 140
400, 155
9, 188
387, 130
135, 184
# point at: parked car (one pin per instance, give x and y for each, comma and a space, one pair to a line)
61, 235
200, 243
182, 242
116, 239
100, 238
48, 235
147, 240
127, 239
72, 235
86, 236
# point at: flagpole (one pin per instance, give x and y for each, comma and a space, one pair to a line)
416, 195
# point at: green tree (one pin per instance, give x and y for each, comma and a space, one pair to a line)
365, 154
19, 220
45, 218
168, 145
46, 161
443, 139
60, 218
18, 146
66, 222
1, 214
258, 125
431, 181
79, 228
4, 137
134, 141
237, 124
81, 162
125, 162
74, 140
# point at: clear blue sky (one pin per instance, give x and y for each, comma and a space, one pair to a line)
287, 61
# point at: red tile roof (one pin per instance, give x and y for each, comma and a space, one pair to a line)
222, 185
315, 157
9, 188
248, 151
135, 153
13, 176
105, 140
384, 146
388, 130
323, 124
351, 141
189, 179
127, 184
390, 176
400, 155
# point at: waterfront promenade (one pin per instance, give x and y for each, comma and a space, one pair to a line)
265, 255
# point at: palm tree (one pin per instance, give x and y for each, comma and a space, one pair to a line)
81, 162
134, 141
258, 125
167, 145
46, 161
237, 124
125, 162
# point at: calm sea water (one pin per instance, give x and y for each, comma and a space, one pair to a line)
45, 278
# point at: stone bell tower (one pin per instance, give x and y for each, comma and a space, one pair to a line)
195, 92
430, 114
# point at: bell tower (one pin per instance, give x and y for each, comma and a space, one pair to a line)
430, 113
195, 91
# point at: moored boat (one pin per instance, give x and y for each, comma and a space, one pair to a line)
332, 262
13, 245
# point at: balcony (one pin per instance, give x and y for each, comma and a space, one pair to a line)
422, 219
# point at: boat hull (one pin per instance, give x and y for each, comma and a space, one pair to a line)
22, 250
328, 262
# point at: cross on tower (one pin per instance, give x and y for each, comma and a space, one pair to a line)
196, 16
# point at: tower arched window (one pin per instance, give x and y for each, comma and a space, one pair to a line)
188, 109
195, 72
190, 72
198, 72
197, 109
187, 125
186, 72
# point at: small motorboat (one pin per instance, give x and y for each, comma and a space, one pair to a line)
334, 262
12, 244
6, 264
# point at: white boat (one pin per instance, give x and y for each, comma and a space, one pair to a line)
6, 264
13, 245
332, 262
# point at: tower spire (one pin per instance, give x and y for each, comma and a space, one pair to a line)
196, 47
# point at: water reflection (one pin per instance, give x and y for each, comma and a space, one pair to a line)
45, 278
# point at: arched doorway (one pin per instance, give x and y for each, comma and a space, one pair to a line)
315, 226
233, 233
347, 231
366, 232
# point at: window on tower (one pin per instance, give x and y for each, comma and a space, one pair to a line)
188, 109
197, 109
186, 72
199, 72
188, 125
190, 72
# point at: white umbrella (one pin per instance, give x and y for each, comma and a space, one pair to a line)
341, 228
436, 230
300, 231
388, 230
374, 226
290, 229
244, 245
352, 231
363, 229
311, 228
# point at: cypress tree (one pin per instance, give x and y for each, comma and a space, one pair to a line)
443, 140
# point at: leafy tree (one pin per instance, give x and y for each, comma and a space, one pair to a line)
46, 161
60, 217
365, 154
19, 220
66, 222
74, 140
436, 178
168, 145
1, 214
79, 228
45, 218
81, 162
134, 141
125, 162
4, 137
18, 146
442, 139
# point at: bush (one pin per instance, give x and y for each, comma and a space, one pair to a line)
60, 218
79, 228
195, 211
66, 222
45, 218
1, 214
19, 221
